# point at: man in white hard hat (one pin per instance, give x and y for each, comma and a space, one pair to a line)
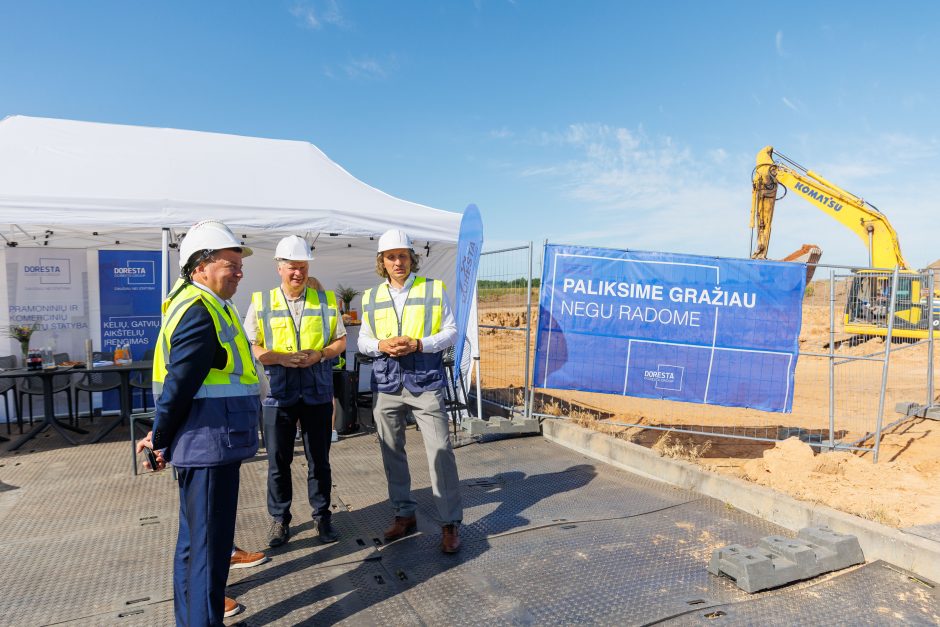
207, 402
407, 326
295, 333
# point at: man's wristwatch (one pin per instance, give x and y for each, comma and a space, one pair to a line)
420, 348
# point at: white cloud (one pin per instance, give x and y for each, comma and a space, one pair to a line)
790, 104
634, 190
778, 44
306, 15
368, 68
500, 133
315, 15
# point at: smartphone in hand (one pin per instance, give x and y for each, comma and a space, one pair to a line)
151, 459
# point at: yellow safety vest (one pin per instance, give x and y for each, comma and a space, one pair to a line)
421, 316
276, 329
238, 377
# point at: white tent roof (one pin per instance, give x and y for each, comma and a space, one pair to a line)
127, 182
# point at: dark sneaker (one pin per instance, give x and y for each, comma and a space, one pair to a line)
327, 531
278, 533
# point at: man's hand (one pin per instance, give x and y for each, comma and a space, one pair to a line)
293, 360
310, 357
147, 442
398, 346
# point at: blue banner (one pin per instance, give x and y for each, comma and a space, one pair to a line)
129, 283
469, 246
668, 326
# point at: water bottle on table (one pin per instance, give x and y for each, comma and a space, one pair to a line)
48, 358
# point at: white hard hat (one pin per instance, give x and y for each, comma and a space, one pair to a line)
293, 248
394, 238
209, 235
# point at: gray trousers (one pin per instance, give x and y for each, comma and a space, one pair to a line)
389, 412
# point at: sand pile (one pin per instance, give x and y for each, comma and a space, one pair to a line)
897, 493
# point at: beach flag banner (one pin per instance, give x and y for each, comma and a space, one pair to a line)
469, 247
675, 327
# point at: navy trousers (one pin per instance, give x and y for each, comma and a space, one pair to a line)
280, 429
208, 501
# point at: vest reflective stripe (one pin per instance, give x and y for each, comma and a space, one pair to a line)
238, 377
218, 391
422, 314
276, 328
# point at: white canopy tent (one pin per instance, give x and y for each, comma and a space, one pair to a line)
69, 184
80, 185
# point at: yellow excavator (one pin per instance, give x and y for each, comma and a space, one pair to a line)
867, 305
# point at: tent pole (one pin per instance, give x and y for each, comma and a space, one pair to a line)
165, 263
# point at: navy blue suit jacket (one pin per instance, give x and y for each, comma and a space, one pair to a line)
194, 350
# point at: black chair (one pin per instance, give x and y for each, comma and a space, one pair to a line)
8, 362
455, 393
143, 380
96, 382
32, 386
363, 399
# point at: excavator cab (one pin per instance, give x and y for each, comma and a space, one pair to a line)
868, 304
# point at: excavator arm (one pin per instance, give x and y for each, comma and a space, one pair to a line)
862, 218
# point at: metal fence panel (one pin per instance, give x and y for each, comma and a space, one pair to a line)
847, 384
504, 306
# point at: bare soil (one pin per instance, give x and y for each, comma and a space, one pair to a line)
901, 490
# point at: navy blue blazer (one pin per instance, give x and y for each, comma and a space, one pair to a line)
195, 351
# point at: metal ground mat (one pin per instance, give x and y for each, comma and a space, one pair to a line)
550, 537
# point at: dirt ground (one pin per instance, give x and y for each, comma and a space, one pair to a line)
900, 490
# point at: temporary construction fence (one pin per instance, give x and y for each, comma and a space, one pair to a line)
850, 387
504, 306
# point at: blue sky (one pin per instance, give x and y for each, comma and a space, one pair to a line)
622, 124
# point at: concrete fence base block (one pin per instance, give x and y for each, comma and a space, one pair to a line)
931, 412
778, 561
879, 542
500, 426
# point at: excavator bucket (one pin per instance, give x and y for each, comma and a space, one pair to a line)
808, 254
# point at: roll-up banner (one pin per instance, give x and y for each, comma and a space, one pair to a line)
129, 284
669, 326
49, 288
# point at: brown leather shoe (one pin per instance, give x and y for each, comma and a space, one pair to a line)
231, 607
246, 559
450, 538
403, 526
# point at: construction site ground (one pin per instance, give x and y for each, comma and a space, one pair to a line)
900, 491
550, 537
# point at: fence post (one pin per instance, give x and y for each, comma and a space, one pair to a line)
476, 364
832, 359
930, 331
884, 369
526, 405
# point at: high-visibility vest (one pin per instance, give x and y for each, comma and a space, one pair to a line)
222, 424
421, 316
277, 331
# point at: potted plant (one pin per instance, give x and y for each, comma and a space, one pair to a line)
21, 333
346, 295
